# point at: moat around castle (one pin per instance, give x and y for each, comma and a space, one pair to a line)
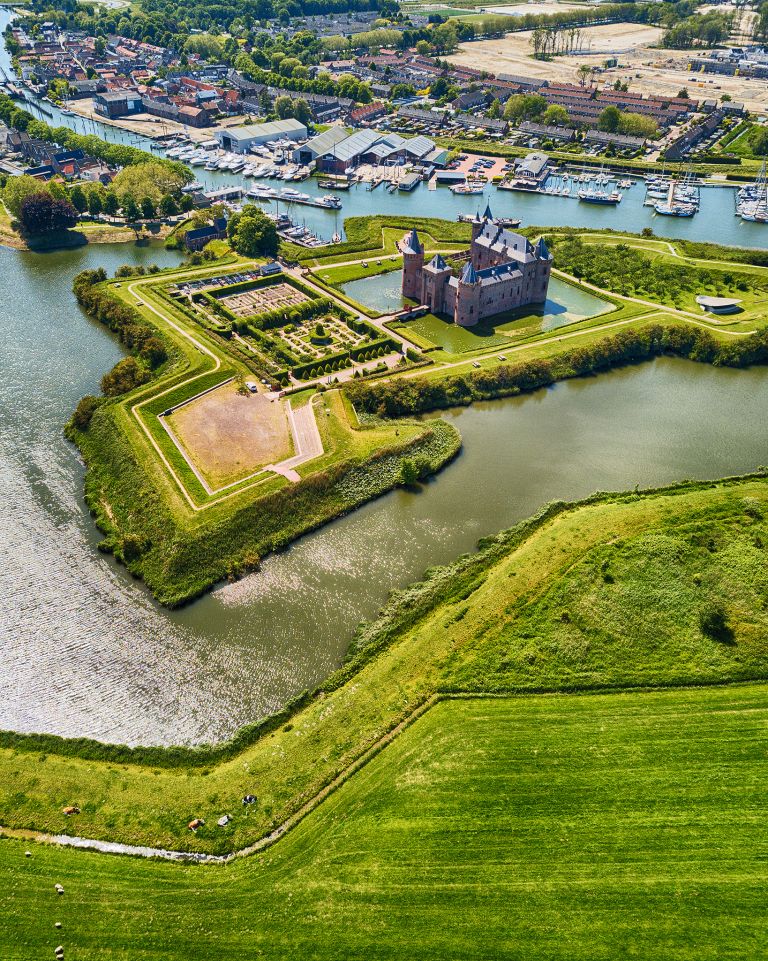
503, 271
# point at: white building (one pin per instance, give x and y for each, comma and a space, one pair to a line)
241, 139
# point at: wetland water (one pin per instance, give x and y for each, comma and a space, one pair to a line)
84, 650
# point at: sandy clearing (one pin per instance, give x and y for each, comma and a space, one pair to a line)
149, 126
646, 69
521, 9
229, 435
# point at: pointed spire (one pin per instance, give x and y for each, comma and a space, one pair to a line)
438, 263
542, 251
487, 215
414, 243
469, 274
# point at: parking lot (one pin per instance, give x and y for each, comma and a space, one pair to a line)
488, 167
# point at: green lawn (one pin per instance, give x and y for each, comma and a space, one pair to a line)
590, 827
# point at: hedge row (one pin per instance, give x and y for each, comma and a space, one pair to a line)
399, 397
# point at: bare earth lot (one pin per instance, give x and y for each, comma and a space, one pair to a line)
228, 436
646, 68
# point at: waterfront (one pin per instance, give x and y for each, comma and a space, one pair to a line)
85, 650
716, 219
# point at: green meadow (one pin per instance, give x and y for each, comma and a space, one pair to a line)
582, 827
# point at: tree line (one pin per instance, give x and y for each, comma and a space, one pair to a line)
401, 398
147, 349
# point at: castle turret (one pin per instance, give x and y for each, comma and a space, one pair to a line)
413, 262
434, 283
543, 270
468, 292
479, 222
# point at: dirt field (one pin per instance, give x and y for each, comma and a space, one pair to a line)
645, 68
228, 436
520, 9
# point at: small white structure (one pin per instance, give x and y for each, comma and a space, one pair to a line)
718, 305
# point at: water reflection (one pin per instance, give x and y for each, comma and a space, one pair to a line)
86, 652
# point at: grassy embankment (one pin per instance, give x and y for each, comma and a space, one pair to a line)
510, 826
156, 516
581, 827
667, 588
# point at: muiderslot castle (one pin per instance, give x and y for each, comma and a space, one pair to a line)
504, 271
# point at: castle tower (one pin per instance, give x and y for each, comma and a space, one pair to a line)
413, 262
434, 282
479, 222
468, 292
543, 270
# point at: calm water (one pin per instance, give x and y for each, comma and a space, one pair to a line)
564, 305
715, 220
85, 650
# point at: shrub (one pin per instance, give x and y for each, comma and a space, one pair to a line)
713, 621
85, 410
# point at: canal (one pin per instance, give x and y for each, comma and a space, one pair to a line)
85, 650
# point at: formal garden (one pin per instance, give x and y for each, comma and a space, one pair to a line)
283, 325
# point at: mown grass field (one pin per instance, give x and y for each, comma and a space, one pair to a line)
584, 827
493, 622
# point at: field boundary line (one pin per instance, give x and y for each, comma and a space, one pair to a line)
367, 755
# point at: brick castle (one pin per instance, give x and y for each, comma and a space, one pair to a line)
504, 271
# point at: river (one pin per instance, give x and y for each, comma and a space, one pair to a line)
85, 650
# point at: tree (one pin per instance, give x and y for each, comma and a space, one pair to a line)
609, 119
17, 189
86, 408
110, 204
423, 48
40, 213
758, 141
253, 234
130, 207
78, 199
168, 206
409, 472
152, 179
95, 205
556, 115
147, 208
494, 111
401, 91
525, 106
682, 93
124, 376
637, 125
584, 72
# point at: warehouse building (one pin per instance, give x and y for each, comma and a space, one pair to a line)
241, 139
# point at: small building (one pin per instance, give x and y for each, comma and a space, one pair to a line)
719, 305
117, 103
533, 169
241, 139
198, 238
